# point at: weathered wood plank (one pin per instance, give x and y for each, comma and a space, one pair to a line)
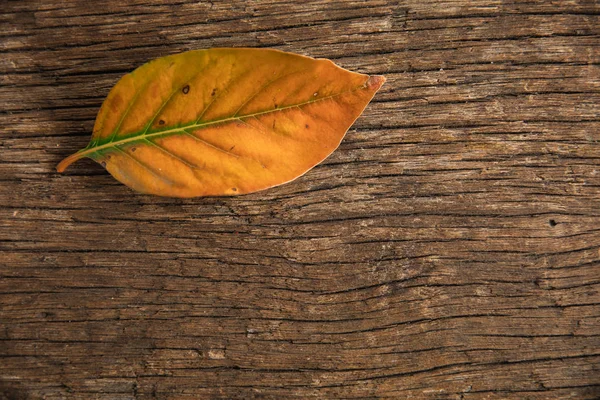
449, 249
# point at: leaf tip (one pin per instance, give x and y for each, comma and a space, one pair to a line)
375, 82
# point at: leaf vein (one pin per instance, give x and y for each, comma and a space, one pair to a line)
173, 155
219, 96
261, 89
211, 145
129, 107
166, 102
143, 165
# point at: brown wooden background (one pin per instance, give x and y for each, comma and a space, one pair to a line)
450, 249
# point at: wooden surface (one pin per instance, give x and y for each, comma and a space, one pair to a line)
450, 248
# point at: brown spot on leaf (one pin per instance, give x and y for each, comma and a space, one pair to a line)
232, 147
214, 92
117, 103
186, 89
234, 189
133, 149
306, 126
161, 122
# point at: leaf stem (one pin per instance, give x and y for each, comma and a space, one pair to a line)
64, 164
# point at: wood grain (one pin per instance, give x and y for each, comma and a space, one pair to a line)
450, 249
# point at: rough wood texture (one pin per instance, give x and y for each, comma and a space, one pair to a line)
450, 248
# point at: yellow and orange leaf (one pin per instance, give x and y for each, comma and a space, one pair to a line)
224, 121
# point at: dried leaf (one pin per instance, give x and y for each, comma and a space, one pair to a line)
224, 121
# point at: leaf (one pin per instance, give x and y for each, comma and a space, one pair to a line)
224, 121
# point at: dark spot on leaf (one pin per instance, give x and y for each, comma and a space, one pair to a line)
552, 223
306, 126
116, 102
133, 149
276, 105
103, 163
108, 157
161, 122
232, 147
234, 189
214, 92
186, 89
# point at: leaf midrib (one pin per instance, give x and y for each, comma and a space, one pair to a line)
181, 129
